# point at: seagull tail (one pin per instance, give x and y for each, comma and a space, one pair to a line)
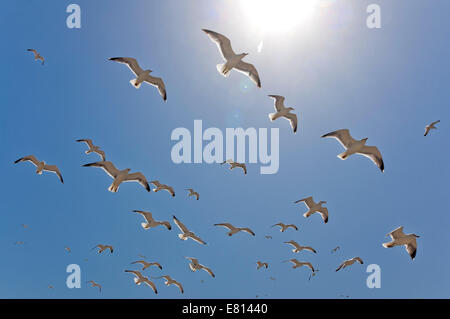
222, 68
145, 225
273, 116
182, 237
133, 83
388, 245
307, 214
343, 156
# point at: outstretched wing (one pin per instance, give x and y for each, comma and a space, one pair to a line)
249, 70
208, 270
88, 142
396, 233
223, 43
138, 177
374, 154
132, 64
323, 211
159, 84
107, 166
248, 230
278, 103
29, 158
147, 215
54, 169
343, 136
197, 239
180, 225
292, 118
308, 201
227, 225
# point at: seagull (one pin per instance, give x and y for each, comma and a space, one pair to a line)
94, 284
25, 226
41, 166
170, 281
282, 111
232, 59
298, 264
120, 176
192, 193
104, 247
147, 264
194, 265
37, 56
298, 248
234, 230
268, 237
272, 278
160, 186
186, 233
314, 207
261, 264
93, 148
399, 238
139, 279
353, 146
143, 76
234, 164
51, 287
68, 249
335, 249
349, 262
150, 222
430, 126
284, 226
19, 243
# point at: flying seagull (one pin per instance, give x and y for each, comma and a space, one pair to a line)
234, 230
186, 233
193, 193
268, 237
37, 56
353, 146
120, 176
160, 186
298, 264
169, 281
94, 284
282, 111
139, 279
430, 127
335, 249
143, 76
261, 264
233, 60
399, 238
283, 227
349, 262
68, 249
298, 248
314, 207
194, 265
234, 164
147, 264
150, 221
41, 166
93, 148
101, 248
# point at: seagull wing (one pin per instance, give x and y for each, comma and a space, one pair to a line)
227, 225
180, 225
308, 201
279, 102
309, 265
374, 154
150, 284
358, 259
249, 70
107, 166
176, 283
292, 118
292, 243
138, 177
136, 273
208, 270
292, 226
310, 249
223, 43
411, 248
132, 64
435, 122
159, 84
343, 136
396, 233
54, 169
197, 239
88, 142
147, 215
29, 158
101, 153
323, 211
248, 230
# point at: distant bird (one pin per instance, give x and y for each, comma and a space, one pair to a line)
194, 265
68, 249
41, 166
94, 284
139, 279
37, 56
314, 207
298, 264
335, 249
150, 221
313, 274
101, 248
120, 176
186, 233
143, 76
147, 264
268, 237
284, 226
193, 193
261, 264
349, 262
169, 281
399, 238
93, 148
353, 146
160, 186
233, 60
298, 248
234, 164
19, 243
51, 287
271, 278
430, 127
25, 226
282, 111
234, 230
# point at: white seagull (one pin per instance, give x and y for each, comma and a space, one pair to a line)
298, 248
233, 60
314, 207
260, 264
143, 76
353, 146
283, 227
101, 248
298, 264
160, 186
234, 230
139, 279
120, 176
194, 265
349, 262
41, 166
282, 111
186, 233
37, 56
430, 127
399, 238
193, 193
146, 264
169, 281
234, 164
93, 148
150, 221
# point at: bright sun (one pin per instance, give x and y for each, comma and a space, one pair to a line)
278, 15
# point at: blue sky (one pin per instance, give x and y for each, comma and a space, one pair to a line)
384, 84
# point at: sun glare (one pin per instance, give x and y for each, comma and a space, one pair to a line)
278, 15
